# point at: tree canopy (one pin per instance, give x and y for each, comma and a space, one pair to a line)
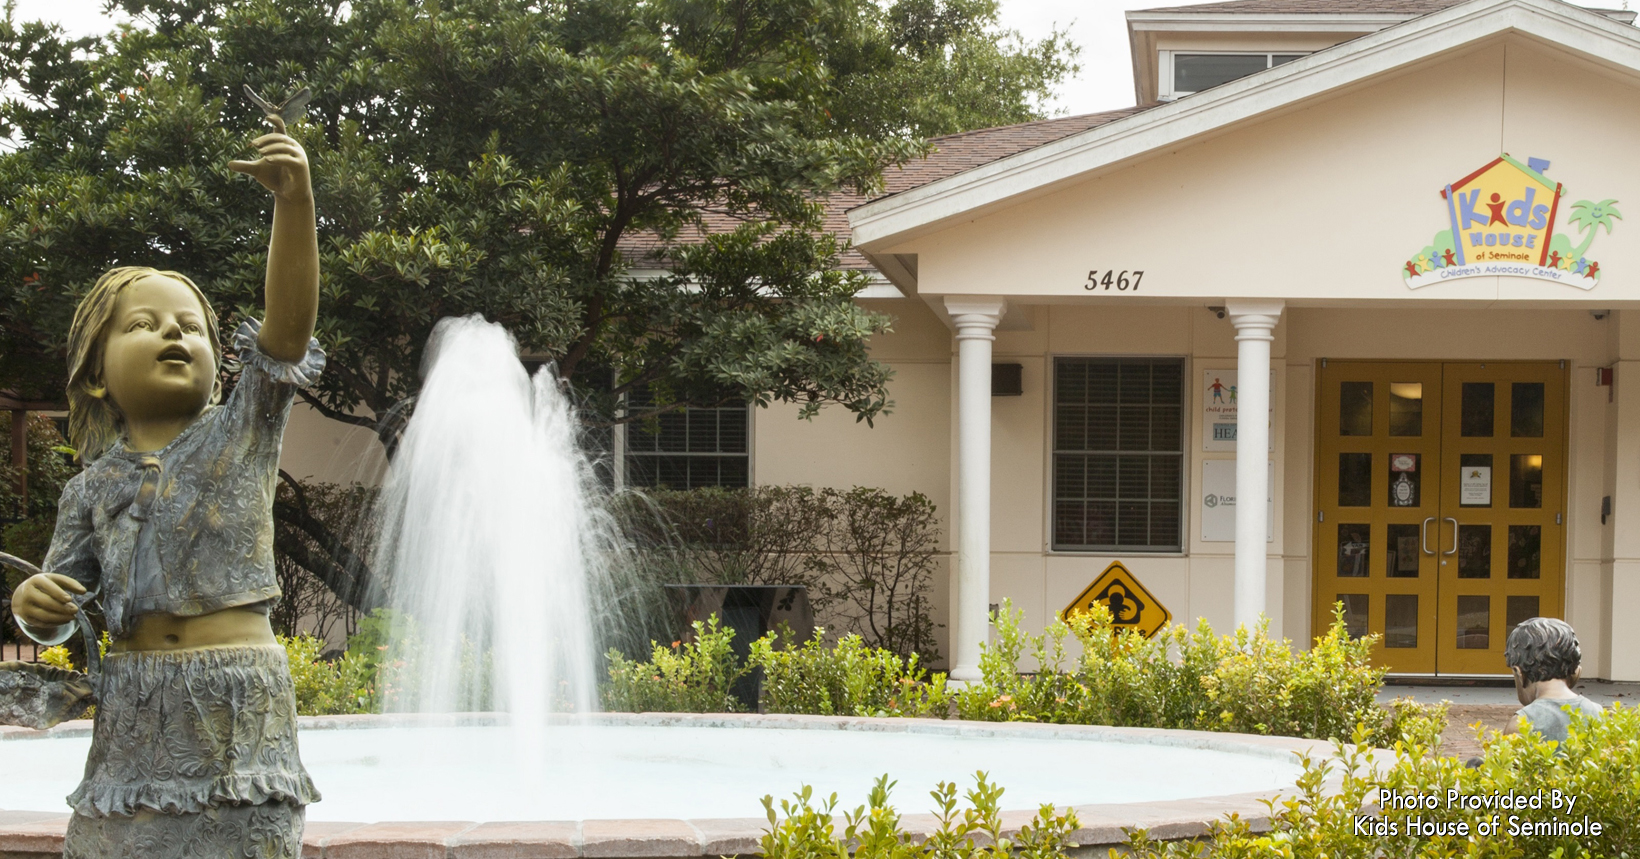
522, 160
501, 157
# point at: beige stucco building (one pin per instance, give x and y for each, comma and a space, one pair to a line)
1396, 230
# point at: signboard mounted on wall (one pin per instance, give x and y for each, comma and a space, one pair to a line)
1220, 409
1501, 222
1219, 502
1131, 606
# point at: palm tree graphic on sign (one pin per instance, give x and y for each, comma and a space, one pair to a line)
1589, 218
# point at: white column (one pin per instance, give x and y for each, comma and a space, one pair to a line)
1255, 323
975, 319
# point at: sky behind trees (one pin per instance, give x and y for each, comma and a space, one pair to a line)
1105, 82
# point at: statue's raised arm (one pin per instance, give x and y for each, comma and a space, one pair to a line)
293, 252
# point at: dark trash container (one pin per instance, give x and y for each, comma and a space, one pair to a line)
752, 611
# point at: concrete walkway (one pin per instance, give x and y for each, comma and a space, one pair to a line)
1601, 692
1474, 709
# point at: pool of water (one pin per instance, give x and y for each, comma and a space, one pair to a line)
608, 771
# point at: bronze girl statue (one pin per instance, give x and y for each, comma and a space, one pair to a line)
170, 528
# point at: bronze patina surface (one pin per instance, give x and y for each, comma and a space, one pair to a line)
168, 531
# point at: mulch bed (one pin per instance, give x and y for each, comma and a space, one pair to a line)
1459, 739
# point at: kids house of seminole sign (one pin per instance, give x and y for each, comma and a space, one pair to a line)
1502, 222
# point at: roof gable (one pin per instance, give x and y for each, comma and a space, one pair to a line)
1332, 7
888, 220
1311, 7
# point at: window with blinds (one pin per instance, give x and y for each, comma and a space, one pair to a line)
1118, 454
688, 448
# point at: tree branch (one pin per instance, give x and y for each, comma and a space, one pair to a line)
337, 415
340, 568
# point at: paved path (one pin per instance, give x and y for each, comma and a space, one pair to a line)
1491, 707
1600, 692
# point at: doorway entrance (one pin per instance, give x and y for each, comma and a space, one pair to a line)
1440, 507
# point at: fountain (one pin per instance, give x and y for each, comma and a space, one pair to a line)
491, 537
493, 534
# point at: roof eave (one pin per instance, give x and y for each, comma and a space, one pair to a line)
1142, 45
884, 222
1267, 22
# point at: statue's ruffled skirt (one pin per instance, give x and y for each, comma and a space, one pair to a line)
193, 754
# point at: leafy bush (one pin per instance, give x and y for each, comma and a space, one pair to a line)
342, 686
800, 830
865, 556
753, 536
879, 556
689, 677
1192, 679
58, 657
1598, 764
849, 679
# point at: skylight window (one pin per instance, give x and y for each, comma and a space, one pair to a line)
1196, 72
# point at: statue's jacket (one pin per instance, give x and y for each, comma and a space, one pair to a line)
188, 529
206, 737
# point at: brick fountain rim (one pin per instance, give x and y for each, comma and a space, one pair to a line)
40, 833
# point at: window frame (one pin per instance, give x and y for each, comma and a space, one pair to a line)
1166, 68
1187, 394
619, 452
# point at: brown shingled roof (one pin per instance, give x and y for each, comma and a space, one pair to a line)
952, 154
1315, 7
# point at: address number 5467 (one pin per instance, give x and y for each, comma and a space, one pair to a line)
1121, 280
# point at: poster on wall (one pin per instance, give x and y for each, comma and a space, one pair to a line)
1475, 486
1220, 395
1218, 512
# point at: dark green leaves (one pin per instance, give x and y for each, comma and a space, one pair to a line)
537, 164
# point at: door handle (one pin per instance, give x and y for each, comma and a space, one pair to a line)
1454, 549
1424, 540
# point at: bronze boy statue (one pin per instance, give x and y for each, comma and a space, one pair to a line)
170, 527
1545, 657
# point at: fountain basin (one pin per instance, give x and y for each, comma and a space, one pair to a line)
685, 785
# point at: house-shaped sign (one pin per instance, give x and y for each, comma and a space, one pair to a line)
1501, 222
1131, 606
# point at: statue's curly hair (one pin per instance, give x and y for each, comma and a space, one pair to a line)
94, 421
1543, 648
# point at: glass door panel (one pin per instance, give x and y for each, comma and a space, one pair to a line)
1378, 441
1502, 478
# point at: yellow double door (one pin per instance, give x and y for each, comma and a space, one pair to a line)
1440, 507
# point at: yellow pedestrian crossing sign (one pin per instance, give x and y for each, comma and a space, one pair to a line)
1131, 606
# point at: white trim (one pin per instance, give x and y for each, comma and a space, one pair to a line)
1293, 22
1183, 22
878, 286
883, 222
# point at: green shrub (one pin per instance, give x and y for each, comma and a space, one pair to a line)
1598, 766
689, 677
58, 657
800, 830
848, 679
1192, 679
343, 686
866, 556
